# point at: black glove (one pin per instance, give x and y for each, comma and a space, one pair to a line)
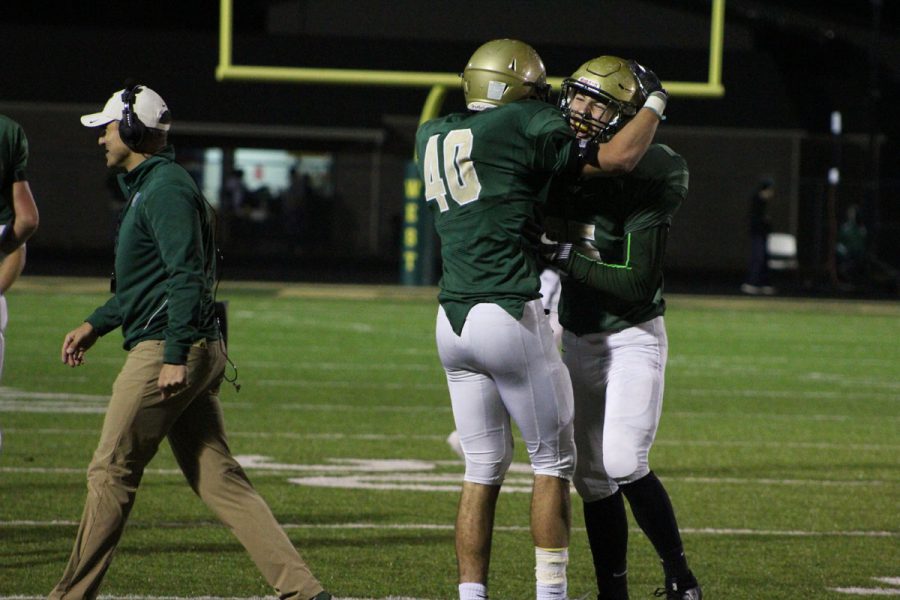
550, 252
647, 79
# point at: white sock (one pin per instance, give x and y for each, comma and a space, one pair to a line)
550, 572
472, 591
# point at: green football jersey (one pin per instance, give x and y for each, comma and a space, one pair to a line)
619, 226
13, 159
483, 172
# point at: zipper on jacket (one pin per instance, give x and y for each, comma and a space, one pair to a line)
156, 312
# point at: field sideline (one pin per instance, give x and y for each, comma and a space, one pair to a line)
778, 444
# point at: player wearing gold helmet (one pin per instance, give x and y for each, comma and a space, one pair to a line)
484, 171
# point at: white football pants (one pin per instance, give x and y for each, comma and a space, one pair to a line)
617, 379
501, 368
551, 287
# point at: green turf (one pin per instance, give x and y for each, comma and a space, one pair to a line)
778, 445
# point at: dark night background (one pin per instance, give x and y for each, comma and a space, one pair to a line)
787, 65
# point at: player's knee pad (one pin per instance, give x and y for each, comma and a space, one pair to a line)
620, 464
486, 464
625, 454
560, 463
487, 470
624, 464
594, 486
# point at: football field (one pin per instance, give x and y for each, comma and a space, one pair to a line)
778, 445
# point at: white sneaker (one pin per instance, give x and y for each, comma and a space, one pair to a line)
750, 289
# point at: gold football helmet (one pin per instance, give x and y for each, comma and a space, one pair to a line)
609, 80
502, 71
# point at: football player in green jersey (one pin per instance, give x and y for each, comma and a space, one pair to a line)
18, 213
483, 172
614, 338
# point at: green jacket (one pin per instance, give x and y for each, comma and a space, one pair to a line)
165, 267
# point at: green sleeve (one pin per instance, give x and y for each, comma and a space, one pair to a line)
555, 149
20, 158
106, 318
175, 223
637, 280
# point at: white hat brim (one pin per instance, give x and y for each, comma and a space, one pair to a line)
97, 119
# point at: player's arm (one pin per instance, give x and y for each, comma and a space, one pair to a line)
637, 278
634, 280
26, 219
25, 213
11, 267
624, 151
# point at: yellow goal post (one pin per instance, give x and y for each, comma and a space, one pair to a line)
438, 82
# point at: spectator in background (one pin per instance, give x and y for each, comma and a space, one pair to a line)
18, 213
857, 266
296, 208
234, 194
758, 277
851, 248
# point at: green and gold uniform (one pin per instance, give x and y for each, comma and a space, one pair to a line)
13, 160
620, 226
615, 348
483, 173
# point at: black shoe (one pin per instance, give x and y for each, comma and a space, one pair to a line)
678, 590
321, 596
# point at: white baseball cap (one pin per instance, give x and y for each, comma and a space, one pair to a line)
149, 107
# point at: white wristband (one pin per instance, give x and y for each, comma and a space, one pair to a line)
657, 104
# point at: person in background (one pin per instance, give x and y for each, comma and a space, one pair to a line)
758, 276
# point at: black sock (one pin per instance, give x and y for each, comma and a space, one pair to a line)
607, 529
653, 512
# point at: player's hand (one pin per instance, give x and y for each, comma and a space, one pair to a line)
172, 379
647, 79
550, 252
76, 343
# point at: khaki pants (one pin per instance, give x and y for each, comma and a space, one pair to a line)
136, 421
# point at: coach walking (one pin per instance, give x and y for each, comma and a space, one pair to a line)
163, 301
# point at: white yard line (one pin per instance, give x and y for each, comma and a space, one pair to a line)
138, 597
703, 531
295, 435
523, 468
860, 591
